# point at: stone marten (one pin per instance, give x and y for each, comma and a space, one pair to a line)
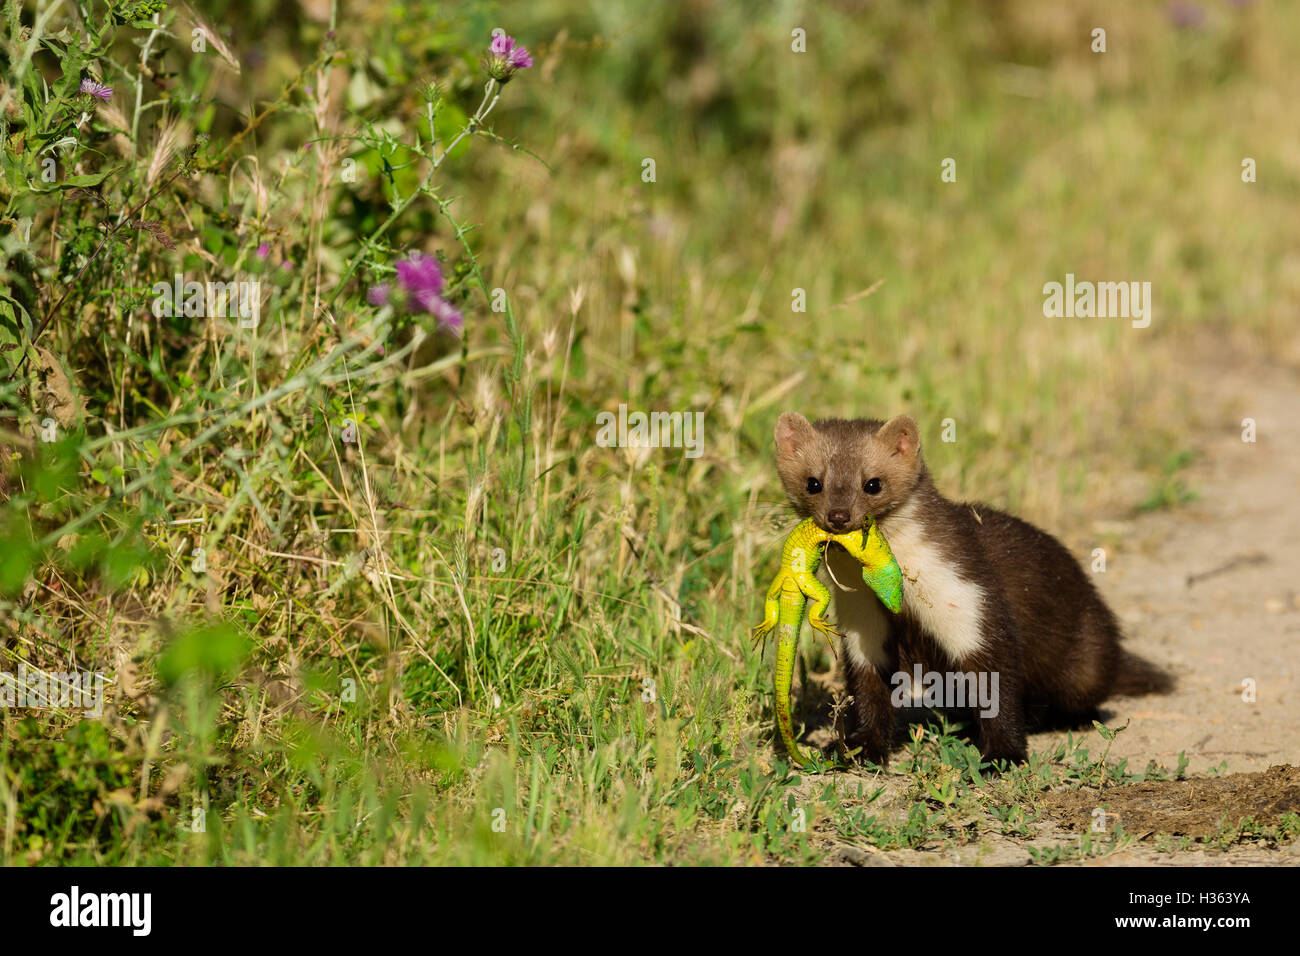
984, 593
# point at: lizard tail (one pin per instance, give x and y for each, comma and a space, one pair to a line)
786, 646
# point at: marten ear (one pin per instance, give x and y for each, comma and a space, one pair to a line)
793, 432
901, 436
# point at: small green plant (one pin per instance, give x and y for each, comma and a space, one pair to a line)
1171, 490
1089, 846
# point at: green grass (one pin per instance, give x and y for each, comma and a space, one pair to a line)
546, 637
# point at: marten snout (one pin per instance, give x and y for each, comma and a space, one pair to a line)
838, 520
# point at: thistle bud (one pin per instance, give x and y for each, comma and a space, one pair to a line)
505, 58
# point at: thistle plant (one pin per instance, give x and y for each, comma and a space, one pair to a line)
505, 58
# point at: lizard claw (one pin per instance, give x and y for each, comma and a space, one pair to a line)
823, 625
828, 630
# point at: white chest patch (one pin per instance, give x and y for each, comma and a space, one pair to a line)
859, 615
948, 606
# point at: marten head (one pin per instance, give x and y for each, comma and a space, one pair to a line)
839, 472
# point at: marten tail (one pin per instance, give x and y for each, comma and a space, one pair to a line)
1136, 676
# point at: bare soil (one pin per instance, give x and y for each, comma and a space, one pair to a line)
1200, 808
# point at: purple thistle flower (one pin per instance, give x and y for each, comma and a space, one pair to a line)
263, 251
506, 57
447, 314
95, 88
420, 275
1185, 14
420, 284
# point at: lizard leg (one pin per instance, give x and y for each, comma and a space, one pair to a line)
771, 612
821, 600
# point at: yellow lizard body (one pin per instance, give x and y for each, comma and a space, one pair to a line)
797, 581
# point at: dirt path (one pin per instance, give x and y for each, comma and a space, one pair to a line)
1237, 620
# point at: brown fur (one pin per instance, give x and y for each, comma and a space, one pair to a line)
1044, 628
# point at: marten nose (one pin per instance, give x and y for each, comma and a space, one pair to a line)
838, 519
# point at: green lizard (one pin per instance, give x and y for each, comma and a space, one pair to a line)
797, 581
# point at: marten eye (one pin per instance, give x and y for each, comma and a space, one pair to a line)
872, 486
814, 486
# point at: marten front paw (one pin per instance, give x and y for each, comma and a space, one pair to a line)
1013, 748
863, 744
1011, 754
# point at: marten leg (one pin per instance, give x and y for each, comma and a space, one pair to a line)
870, 718
1002, 737
867, 651
999, 715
